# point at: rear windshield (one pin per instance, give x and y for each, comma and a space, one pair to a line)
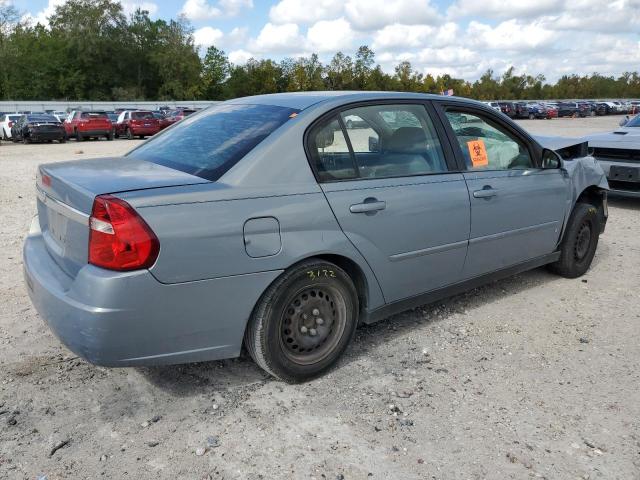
92, 115
211, 142
41, 118
139, 115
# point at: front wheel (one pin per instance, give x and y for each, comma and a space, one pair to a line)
303, 322
129, 134
79, 137
579, 243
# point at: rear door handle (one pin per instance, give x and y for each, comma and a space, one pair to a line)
370, 205
486, 192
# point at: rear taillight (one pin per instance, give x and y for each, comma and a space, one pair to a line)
10, 124
119, 239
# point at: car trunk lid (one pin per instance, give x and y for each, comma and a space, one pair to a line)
66, 192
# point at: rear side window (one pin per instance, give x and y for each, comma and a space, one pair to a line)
210, 143
330, 152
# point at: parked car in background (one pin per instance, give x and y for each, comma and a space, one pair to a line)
137, 123
567, 109
85, 125
536, 110
493, 105
197, 242
60, 115
521, 110
6, 122
162, 119
619, 154
38, 128
177, 115
586, 109
508, 108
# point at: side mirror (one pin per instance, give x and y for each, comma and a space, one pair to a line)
550, 159
374, 144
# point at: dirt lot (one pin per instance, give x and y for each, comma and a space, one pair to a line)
532, 377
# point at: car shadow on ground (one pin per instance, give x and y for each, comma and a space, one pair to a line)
209, 377
626, 203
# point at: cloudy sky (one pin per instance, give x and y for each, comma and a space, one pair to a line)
460, 37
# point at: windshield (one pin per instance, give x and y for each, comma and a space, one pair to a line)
634, 122
211, 142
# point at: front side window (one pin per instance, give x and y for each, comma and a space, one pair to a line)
210, 143
485, 145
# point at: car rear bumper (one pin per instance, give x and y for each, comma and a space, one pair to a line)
144, 130
40, 136
95, 133
122, 319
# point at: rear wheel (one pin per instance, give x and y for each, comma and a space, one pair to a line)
26, 140
129, 134
303, 322
79, 136
532, 116
141, 137
5, 137
579, 243
109, 135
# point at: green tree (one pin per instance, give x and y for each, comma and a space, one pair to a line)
215, 70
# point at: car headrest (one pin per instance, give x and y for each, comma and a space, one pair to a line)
408, 139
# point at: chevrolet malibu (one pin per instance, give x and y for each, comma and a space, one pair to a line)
274, 223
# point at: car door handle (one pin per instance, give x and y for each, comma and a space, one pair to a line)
486, 192
370, 205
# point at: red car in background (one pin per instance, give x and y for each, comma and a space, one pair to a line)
162, 120
177, 115
83, 125
137, 123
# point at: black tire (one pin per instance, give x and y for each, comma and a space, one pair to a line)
141, 137
79, 136
62, 140
26, 140
579, 243
109, 136
313, 304
5, 137
129, 134
532, 116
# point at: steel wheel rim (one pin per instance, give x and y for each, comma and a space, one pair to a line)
312, 324
583, 241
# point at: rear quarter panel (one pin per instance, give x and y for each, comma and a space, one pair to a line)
205, 239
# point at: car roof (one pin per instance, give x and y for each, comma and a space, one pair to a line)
302, 100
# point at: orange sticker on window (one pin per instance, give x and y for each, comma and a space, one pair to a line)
478, 153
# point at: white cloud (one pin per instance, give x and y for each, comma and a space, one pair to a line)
130, 6
503, 8
197, 10
305, 12
240, 57
42, 17
207, 36
330, 36
511, 35
398, 36
278, 38
373, 14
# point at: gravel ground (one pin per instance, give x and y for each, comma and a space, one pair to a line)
531, 377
